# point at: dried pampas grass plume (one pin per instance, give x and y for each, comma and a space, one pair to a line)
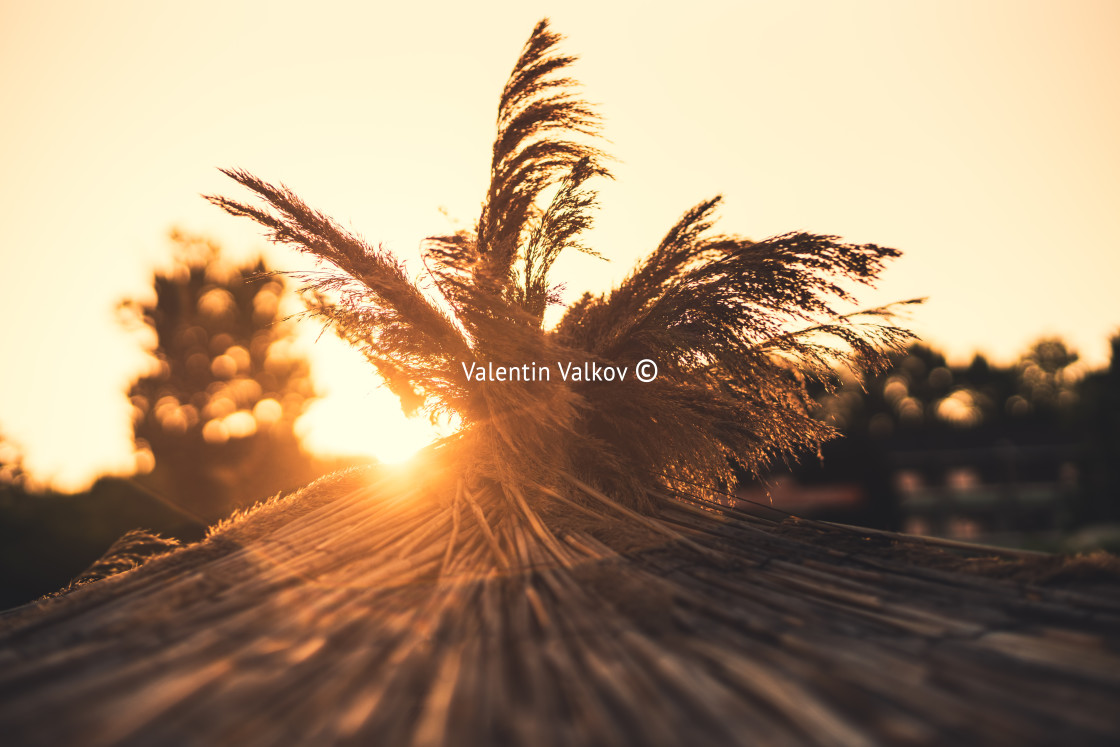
736, 327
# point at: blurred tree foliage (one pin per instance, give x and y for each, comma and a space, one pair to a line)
11, 463
923, 403
214, 423
921, 392
1098, 413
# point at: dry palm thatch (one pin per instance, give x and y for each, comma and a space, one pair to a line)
353, 614
718, 315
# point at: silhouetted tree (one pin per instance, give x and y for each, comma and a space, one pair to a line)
217, 416
1098, 410
1043, 379
11, 463
1030, 421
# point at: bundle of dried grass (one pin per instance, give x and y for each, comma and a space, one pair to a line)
736, 327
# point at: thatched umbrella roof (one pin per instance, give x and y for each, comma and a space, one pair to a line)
341, 615
555, 572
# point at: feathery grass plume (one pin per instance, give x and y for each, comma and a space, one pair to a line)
736, 327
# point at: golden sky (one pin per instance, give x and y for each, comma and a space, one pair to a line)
978, 137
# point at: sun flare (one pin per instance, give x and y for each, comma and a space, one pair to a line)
355, 415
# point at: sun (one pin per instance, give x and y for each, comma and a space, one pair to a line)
355, 414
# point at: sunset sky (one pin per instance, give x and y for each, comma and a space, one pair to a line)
980, 138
